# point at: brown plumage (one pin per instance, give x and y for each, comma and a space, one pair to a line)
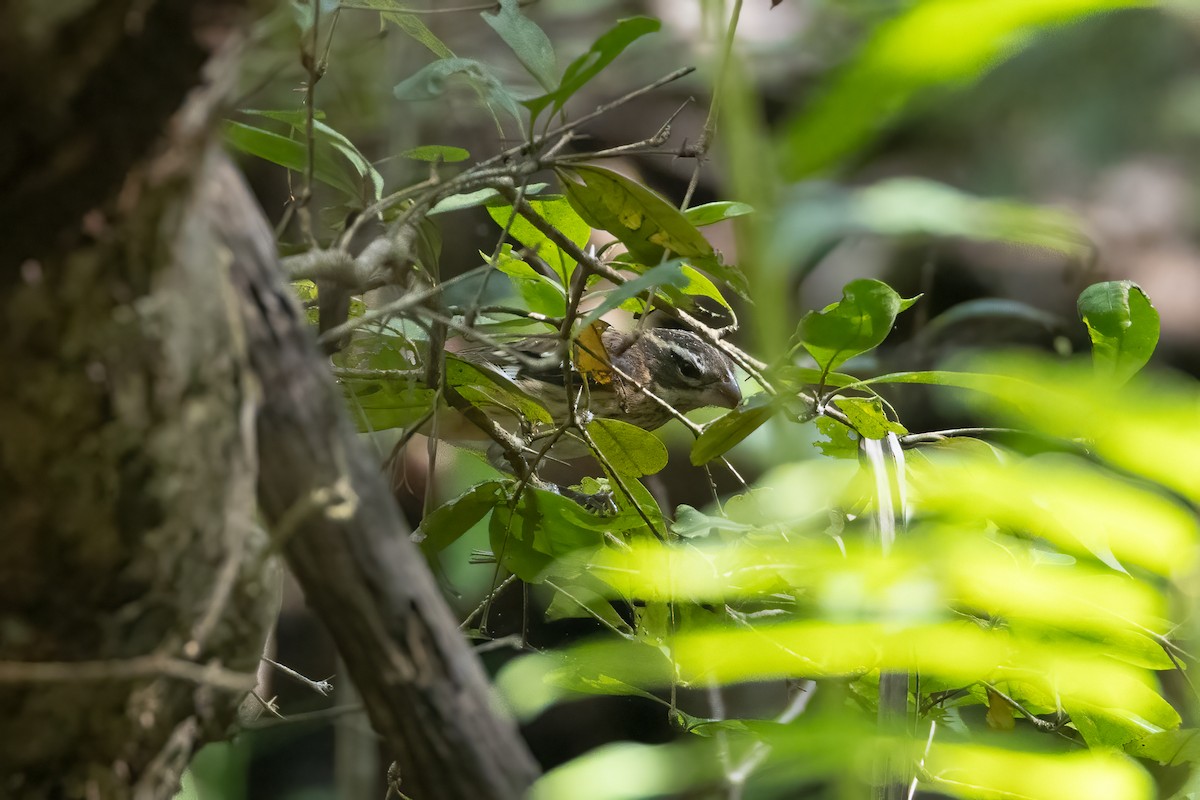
677, 367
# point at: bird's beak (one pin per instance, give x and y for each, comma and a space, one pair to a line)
726, 394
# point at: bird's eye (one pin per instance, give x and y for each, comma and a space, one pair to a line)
688, 367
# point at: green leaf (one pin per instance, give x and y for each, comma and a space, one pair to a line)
326, 137
727, 430
445, 524
539, 292
529, 42
486, 388
430, 81
578, 600
859, 322
382, 403
545, 534
667, 275
709, 213
932, 43
1123, 326
411, 25
628, 449
644, 222
1175, 747
867, 416
602, 52
692, 524
457, 202
840, 441
291, 154
444, 153
559, 213
816, 215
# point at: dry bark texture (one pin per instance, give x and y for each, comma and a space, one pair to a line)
335, 517
135, 585
150, 358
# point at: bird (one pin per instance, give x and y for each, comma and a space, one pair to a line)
644, 377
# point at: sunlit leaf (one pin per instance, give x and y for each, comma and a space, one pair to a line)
1123, 326
486, 388
669, 274
541, 294
710, 213
858, 322
867, 417
558, 213
932, 43
644, 222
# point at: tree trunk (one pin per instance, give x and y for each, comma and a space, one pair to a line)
150, 359
136, 586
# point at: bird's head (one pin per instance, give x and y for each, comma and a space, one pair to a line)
686, 371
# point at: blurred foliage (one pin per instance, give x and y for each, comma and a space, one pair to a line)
1029, 578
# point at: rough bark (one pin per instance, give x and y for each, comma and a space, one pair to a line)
135, 585
343, 537
153, 367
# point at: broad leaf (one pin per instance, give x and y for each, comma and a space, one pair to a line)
445, 524
859, 322
1123, 326
541, 294
544, 534
293, 155
529, 42
560, 214
867, 416
628, 449
667, 275
644, 222
488, 389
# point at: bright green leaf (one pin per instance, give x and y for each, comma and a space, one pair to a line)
868, 418
541, 294
932, 43
558, 213
710, 213
1123, 326
859, 322
644, 222
628, 449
